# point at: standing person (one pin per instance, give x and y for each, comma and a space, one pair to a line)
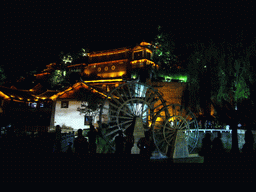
247, 150
217, 148
129, 142
249, 140
119, 140
206, 147
145, 145
129, 139
81, 144
92, 139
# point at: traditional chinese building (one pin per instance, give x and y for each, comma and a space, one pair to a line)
100, 72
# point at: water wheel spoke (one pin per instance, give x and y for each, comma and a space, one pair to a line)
124, 101
182, 128
190, 122
124, 111
161, 141
170, 128
180, 125
112, 126
170, 135
171, 139
166, 149
112, 132
125, 127
123, 123
122, 117
110, 110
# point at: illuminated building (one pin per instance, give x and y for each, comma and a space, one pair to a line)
101, 71
119, 62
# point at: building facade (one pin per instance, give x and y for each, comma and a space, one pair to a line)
102, 72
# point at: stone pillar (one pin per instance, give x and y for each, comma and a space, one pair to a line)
181, 146
138, 133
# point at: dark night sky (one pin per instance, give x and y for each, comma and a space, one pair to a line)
35, 32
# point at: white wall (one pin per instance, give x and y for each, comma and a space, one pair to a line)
70, 116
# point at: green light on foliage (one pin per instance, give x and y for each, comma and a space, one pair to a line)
182, 78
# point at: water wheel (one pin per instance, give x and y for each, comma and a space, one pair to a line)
128, 102
175, 133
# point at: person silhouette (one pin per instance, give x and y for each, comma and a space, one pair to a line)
247, 150
217, 147
129, 142
145, 145
92, 140
129, 139
81, 144
206, 147
119, 140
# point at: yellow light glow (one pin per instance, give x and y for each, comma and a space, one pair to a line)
103, 80
108, 53
138, 50
108, 62
159, 119
77, 85
82, 64
149, 51
4, 95
143, 43
112, 75
41, 74
142, 61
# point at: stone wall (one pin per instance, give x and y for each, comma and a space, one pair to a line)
226, 139
170, 91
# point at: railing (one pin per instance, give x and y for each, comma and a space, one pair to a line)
239, 131
63, 141
36, 128
66, 140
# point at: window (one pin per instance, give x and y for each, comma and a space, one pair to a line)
87, 120
64, 104
138, 55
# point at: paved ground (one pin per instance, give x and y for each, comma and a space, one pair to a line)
111, 168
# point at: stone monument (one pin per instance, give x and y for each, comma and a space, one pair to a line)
181, 146
138, 133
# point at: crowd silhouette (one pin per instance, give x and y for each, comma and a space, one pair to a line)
213, 151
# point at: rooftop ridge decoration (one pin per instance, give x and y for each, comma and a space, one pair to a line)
109, 52
83, 84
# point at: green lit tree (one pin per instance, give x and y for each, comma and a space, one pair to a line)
61, 77
220, 76
163, 51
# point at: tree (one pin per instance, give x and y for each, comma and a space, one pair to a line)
60, 77
90, 103
220, 76
163, 51
202, 78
